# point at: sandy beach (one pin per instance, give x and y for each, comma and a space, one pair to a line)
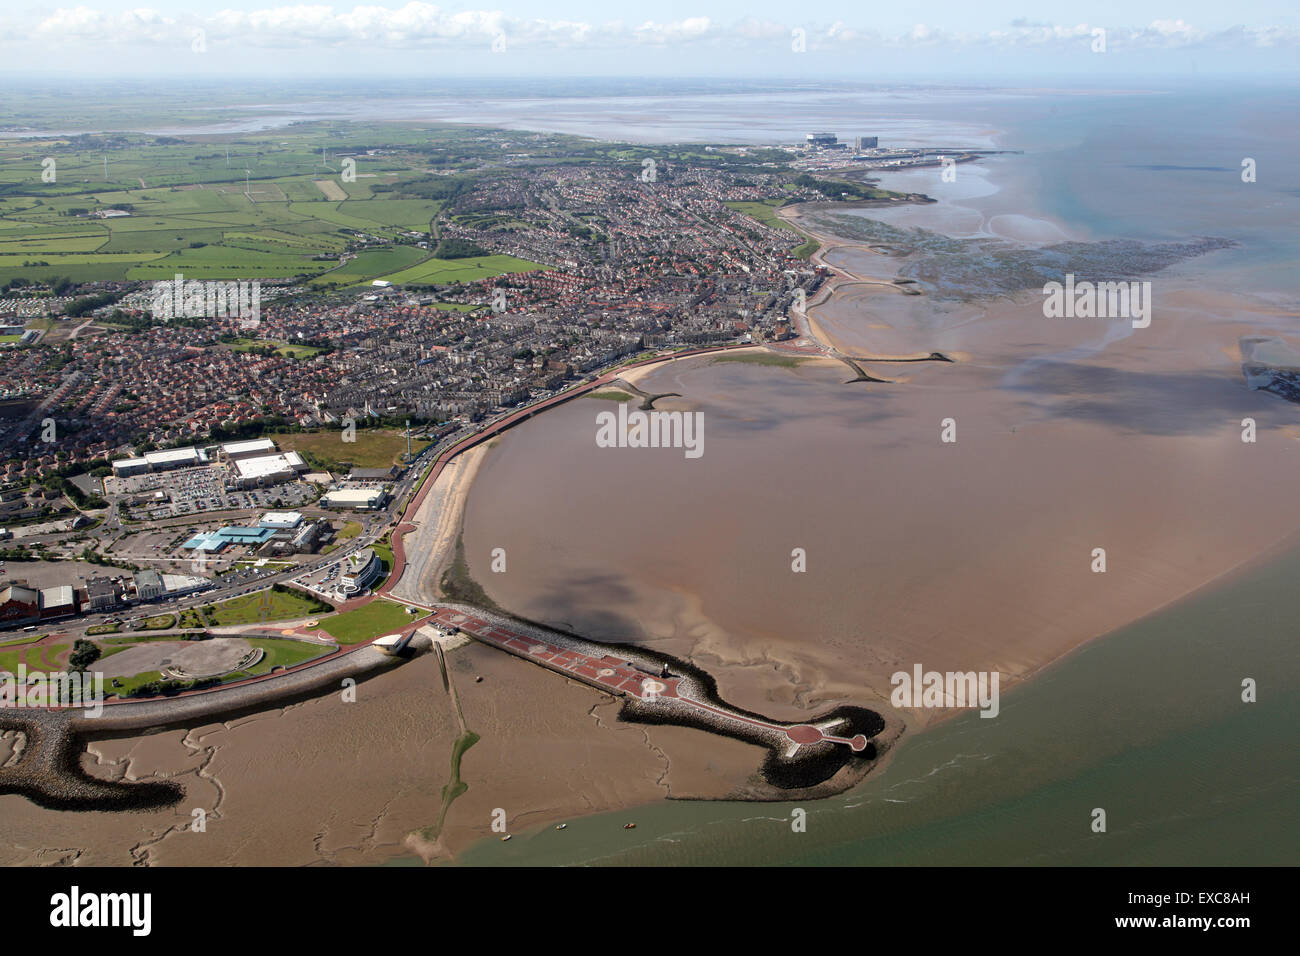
431, 546
976, 554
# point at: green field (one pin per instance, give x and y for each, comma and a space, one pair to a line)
765, 212
266, 606
374, 447
610, 395
758, 358
281, 348
371, 264
280, 652
372, 620
257, 215
444, 271
29, 639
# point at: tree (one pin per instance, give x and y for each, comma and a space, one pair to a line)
84, 653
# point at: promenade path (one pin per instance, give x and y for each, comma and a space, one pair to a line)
626, 672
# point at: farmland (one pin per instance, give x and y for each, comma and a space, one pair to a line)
281, 205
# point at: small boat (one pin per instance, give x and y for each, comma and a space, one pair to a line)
506, 837
560, 826
629, 826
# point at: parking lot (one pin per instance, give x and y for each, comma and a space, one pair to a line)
323, 581
189, 491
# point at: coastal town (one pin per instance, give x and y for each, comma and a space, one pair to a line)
185, 458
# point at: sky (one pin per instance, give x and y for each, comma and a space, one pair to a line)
746, 38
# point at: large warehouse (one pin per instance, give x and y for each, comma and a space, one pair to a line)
248, 449
163, 460
263, 470
359, 499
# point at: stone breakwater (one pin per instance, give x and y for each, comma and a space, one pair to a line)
48, 770
824, 755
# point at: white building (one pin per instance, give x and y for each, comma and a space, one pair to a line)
124, 467
264, 470
281, 520
173, 458
360, 499
249, 449
359, 572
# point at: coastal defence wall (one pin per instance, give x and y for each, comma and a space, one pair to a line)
48, 770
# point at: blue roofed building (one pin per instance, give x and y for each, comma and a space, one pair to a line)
217, 541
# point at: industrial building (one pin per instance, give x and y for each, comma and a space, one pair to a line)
58, 601
214, 542
248, 449
374, 474
164, 460
359, 499
169, 458
264, 470
125, 467
822, 139
281, 520
866, 142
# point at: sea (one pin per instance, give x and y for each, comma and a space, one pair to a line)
1146, 723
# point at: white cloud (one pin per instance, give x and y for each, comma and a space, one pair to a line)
423, 25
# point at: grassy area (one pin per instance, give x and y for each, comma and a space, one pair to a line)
9, 661
765, 212
48, 656
29, 639
350, 530
806, 250
444, 271
371, 620
274, 605
190, 209
371, 264
160, 623
103, 629
130, 684
280, 652
191, 618
759, 358
281, 348
610, 396
385, 553
374, 447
